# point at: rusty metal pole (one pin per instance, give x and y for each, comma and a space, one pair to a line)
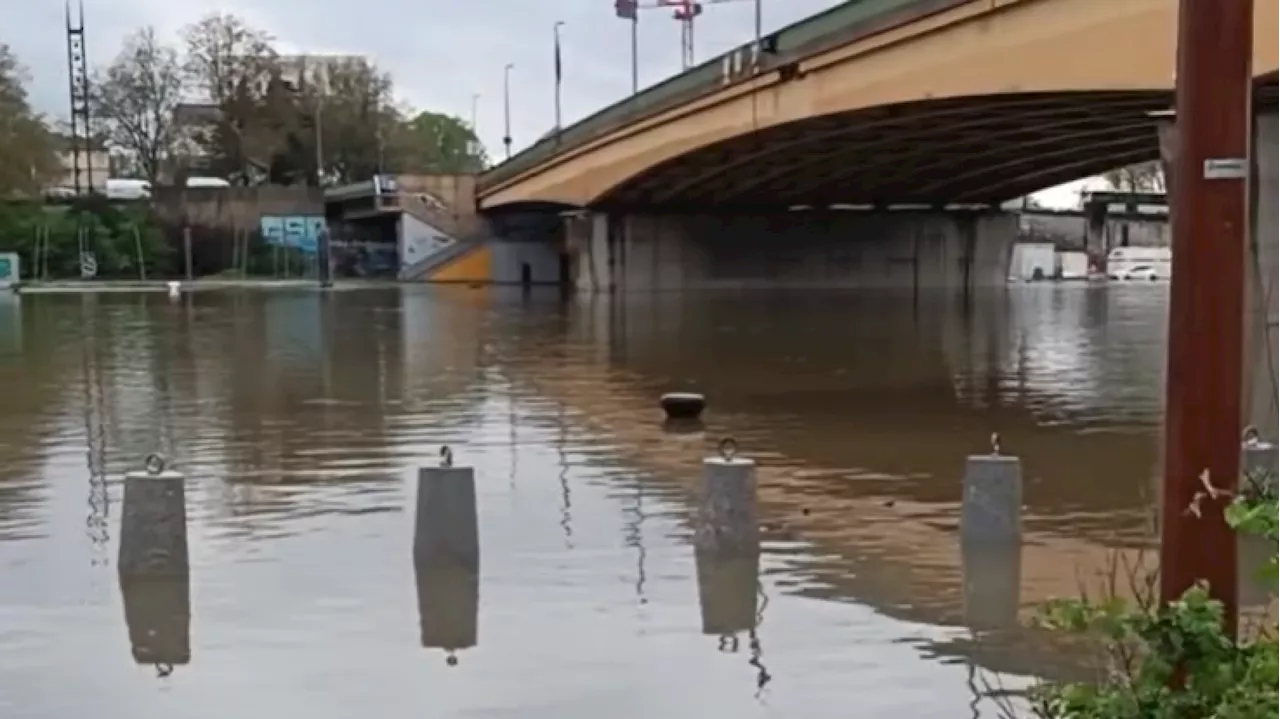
1206, 311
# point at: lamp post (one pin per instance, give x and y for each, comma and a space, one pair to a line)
555, 32
635, 53
755, 55
506, 108
474, 145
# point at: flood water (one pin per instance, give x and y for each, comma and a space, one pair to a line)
300, 420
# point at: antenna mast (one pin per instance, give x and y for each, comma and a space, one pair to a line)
78, 84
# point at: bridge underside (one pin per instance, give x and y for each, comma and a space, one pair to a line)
982, 150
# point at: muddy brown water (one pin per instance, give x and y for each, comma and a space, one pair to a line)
300, 419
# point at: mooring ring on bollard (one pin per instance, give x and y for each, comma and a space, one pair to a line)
446, 456
154, 463
1251, 436
995, 443
728, 449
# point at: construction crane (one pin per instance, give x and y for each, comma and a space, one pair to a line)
684, 12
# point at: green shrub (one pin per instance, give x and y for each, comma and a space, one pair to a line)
1172, 661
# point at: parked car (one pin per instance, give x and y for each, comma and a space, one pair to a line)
1137, 272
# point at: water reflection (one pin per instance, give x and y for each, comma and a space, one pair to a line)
992, 580
566, 501
301, 420
94, 430
157, 613
10, 324
727, 594
448, 608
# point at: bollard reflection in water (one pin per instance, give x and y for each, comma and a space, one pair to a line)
157, 612
992, 576
446, 556
727, 593
448, 608
673, 425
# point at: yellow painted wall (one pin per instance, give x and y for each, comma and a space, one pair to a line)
476, 265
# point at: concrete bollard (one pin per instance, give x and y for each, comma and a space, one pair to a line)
991, 510
448, 608
992, 576
727, 595
727, 524
175, 288
1258, 465
446, 556
1258, 462
445, 531
157, 612
153, 523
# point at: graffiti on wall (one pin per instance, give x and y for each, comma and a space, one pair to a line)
300, 232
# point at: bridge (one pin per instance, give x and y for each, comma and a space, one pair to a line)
938, 107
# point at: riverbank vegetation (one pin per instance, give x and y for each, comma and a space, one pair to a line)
1174, 660
123, 241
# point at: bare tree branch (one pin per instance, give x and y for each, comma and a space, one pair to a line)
136, 99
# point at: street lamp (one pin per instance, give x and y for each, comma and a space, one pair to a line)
755, 55
474, 144
555, 32
506, 108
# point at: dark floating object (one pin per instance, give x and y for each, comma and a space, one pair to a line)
683, 405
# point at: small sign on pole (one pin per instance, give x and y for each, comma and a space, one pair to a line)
1226, 168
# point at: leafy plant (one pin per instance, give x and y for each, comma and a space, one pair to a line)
1173, 660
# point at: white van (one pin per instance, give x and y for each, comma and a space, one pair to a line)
121, 189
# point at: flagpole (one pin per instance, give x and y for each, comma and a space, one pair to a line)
635, 53
555, 31
506, 108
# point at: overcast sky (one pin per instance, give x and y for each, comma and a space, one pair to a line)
440, 52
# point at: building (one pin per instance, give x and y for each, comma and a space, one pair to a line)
1105, 221
95, 168
295, 71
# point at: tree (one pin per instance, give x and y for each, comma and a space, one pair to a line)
1143, 177
436, 143
28, 159
348, 98
136, 99
234, 66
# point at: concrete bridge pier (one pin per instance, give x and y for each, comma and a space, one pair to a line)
789, 250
